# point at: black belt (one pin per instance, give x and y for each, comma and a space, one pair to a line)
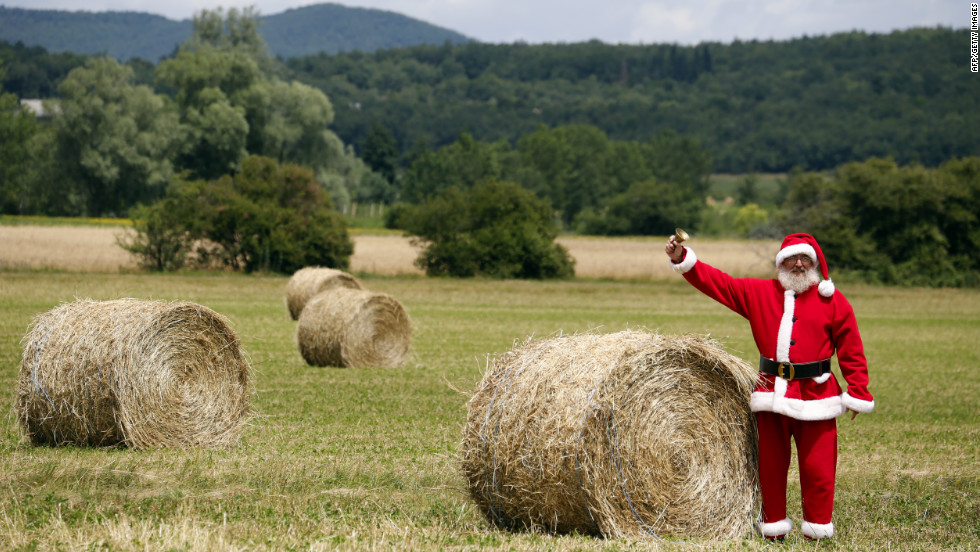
790, 371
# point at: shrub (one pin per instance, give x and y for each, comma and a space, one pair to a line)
397, 215
910, 225
647, 208
157, 244
267, 217
749, 217
495, 229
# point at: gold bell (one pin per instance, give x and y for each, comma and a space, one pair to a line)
680, 235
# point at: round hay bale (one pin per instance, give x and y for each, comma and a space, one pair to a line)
621, 435
309, 281
135, 373
353, 327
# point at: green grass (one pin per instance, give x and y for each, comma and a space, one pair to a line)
364, 459
38, 220
367, 217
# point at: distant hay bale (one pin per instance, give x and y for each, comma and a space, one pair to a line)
628, 434
353, 327
309, 281
136, 373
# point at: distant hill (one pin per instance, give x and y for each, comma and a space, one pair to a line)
329, 28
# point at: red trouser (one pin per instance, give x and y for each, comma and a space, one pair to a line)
816, 448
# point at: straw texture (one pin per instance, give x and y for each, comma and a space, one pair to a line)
630, 434
309, 281
134, 373
354, 327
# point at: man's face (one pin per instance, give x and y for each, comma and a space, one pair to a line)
798, 273
798, 264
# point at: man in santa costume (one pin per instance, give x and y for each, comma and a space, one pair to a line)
798, 322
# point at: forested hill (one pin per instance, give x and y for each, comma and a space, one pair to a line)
755, 106
329, 28
811, 102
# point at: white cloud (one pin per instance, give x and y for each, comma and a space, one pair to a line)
670, 21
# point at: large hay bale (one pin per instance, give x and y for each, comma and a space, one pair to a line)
620, 435
309, 281
353, 327
134, 373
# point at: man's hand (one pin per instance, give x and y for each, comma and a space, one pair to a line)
674, 250
854, 413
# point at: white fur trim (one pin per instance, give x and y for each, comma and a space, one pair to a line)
826, 287
779, 388
798, 409
817, 530
796, 249
776, 528
761, 401
785, 327
856, 405
690, 259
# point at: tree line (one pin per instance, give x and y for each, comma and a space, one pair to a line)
762, 106
756, 106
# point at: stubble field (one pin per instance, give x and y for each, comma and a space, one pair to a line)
94, 249
365, 459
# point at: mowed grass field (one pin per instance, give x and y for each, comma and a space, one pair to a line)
366, 459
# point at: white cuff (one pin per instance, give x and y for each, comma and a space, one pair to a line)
776, 528
817, 530
857, 405
690, 259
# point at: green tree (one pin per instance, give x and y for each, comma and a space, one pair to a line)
17, 128
747, 190
909, 225
751, 104
33, 72
548, 156
748, 217
588, 151
380, 151
681, 161
495, 229
461, 164
114, 140
238, 31
43, 187
267, 217
902, 210
427, 175
296, 126
233, 104
212, 89
652, 208
961, 209
156, 241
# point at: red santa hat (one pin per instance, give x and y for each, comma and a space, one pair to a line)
805, 244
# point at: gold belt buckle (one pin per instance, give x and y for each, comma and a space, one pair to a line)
792, 370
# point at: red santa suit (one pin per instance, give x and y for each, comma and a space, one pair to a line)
795, 328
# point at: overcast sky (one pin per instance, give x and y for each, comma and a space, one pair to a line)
612, 21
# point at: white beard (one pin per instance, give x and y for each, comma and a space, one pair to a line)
799, 281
